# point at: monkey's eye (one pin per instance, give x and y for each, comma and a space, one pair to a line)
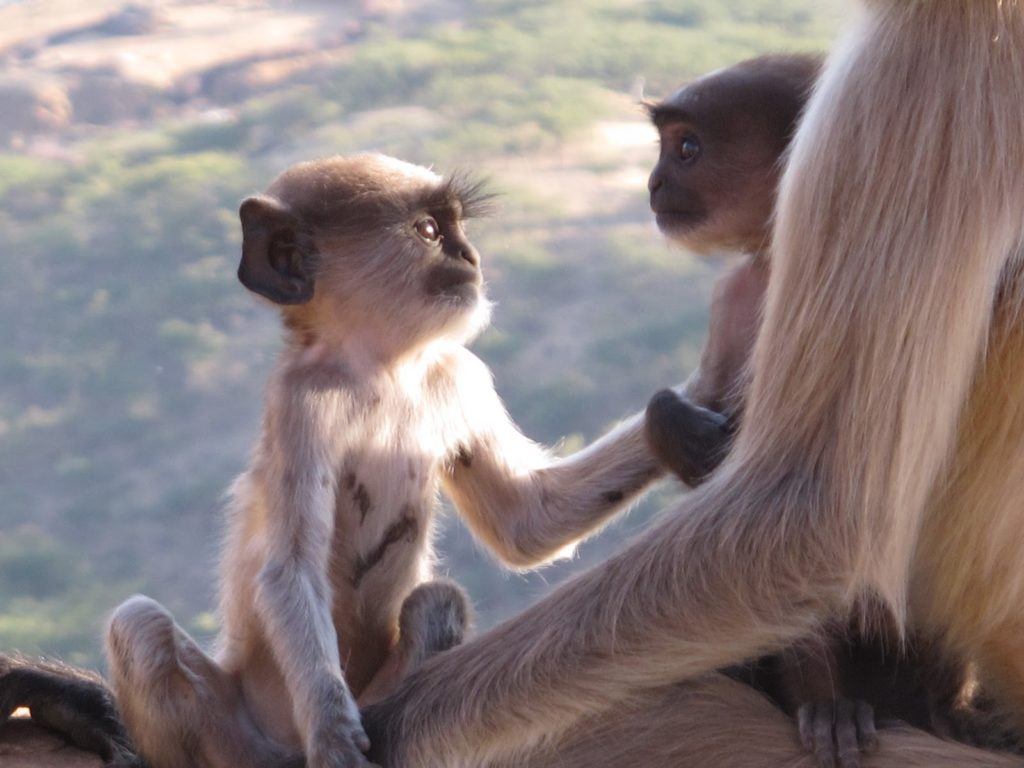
689, 149
427, 229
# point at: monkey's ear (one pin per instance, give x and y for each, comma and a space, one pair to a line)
272, 263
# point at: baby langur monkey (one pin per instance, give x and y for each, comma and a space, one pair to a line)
722, 143
375, 405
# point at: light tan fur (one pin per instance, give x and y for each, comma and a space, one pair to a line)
375, 406
717, 723
899, 228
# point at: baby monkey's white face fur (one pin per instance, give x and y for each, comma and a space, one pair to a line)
367, 249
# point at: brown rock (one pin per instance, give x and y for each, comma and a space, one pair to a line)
23, 744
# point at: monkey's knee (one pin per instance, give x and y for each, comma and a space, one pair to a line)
165, 687
141, 641
434, 618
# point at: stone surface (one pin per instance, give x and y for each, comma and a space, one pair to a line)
23, 744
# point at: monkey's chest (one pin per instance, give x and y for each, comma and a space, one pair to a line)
381, 550
385, 490
384, 505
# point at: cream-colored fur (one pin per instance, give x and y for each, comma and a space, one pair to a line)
889, 310
374, 407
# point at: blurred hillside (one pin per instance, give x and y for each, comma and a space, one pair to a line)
131, 376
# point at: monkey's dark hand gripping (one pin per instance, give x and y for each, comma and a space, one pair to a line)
688, 440
73, 702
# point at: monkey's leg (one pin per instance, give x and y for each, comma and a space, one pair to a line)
718, 722
181, 708
434, 617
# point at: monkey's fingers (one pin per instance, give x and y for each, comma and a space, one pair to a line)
361, 739
867, 736
837, 732
805, 725
688, 440
814, 722
339, 743
847, 739
824, 740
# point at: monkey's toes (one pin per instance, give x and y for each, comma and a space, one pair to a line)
837, 732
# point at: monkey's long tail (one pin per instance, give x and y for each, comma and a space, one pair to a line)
74, 702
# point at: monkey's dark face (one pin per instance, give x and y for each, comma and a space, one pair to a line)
452, 271
713, 185
722, 137
680, 185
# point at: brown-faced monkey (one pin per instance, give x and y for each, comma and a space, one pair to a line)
723, 141
880, 453
374, 406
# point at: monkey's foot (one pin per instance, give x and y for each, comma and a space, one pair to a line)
837, 731
338, 742
338, 753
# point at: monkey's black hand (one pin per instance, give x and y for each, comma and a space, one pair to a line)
72, 702
687, 439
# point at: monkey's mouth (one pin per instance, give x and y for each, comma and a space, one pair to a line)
455, 281
676, 221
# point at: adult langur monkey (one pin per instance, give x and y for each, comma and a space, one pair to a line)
892, 344
723, 142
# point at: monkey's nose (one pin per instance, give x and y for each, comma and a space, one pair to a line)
468, 254
655, 182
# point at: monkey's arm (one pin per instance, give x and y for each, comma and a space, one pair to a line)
293, 595
734, 318
527, 505
690, 429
